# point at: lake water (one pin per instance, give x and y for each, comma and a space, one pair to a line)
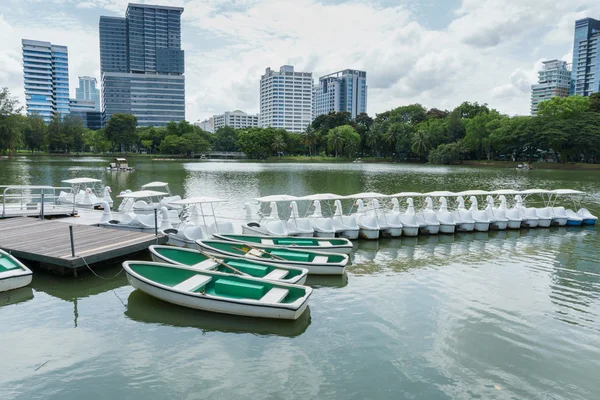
512, 314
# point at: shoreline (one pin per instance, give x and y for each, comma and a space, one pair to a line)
329, 160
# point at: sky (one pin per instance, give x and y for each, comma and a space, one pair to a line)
435, 52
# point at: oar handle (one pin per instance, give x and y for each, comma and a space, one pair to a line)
223, 263
262, 252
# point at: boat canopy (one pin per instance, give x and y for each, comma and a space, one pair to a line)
535, 191
79, 181
155, 185
276, 198
323, 196
440, 194
566, 191
366, 195
140, 194
406, 194
197, 200
474, 192
506, 192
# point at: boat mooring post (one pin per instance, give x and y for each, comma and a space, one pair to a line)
72, 241
42, 209
155, 222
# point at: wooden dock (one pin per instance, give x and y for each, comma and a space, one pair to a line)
48, 242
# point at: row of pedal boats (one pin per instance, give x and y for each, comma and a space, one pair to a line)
374, 221
240, 274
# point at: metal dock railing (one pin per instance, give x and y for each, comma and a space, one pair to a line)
31, 201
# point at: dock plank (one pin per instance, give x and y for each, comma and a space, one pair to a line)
48, 242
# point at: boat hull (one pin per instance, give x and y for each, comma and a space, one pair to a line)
482, 226
544, 223
529, 223
304, 234
410, 231
429, 229
559, 221
574, 222
589, 221
514, 224
447, 228
369, 234
498, 225
219, 305
15, 281
324, 234
465, 227
351, 234
391, 232
247, 230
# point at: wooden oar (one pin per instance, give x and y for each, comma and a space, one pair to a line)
223, 263
262, 252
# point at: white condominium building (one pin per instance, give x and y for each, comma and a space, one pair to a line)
286, 99
554, 80
207, 125
236, 119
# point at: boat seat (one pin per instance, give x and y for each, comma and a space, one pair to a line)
267, 241
325, 244
276, 274
206, 264
320, 259
193, 283
274, 295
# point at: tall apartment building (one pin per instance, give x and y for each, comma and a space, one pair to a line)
87, 90
86, 112
585, 74
236, 119
46, 76
341, 91
286, 99
142, 64
553, 80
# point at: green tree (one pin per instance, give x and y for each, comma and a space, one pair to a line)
420, 143
343, 139
278, 144
564, 107
447, 153
310, 137
595, 102
12, 123
225, 139
121, 131
35, 133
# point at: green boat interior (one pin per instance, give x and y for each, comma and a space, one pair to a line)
232, 287
6, 264
246, 266
291, 241
305, 256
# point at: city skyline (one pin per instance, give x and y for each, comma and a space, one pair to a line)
436, 53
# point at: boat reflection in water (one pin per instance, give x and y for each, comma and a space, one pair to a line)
15, 296
144, 308
335, 281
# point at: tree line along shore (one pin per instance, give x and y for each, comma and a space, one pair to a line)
564, 134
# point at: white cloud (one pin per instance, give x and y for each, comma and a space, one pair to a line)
487, 53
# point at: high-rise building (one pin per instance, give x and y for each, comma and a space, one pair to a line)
585, 74
341, 91
142, 64
553, 80
286, 99
236, 119
46, 75
87, 90
85, 111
